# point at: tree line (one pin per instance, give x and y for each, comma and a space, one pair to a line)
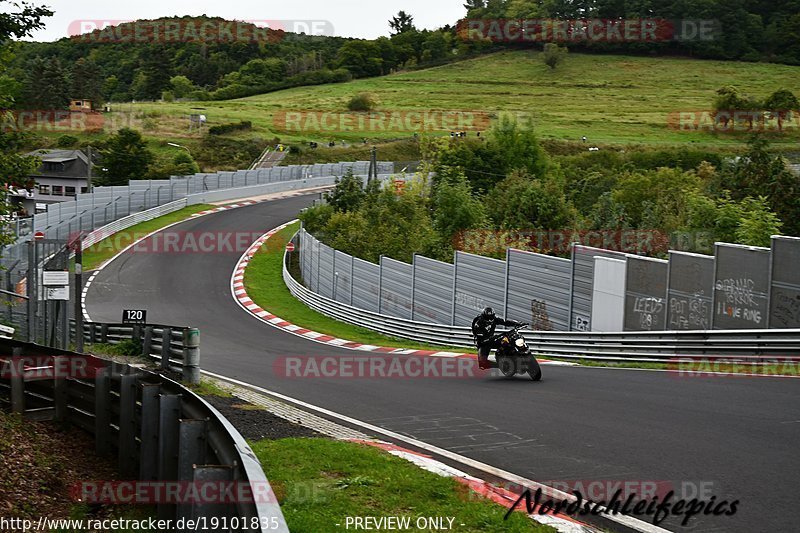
501, 191
747, 30
47, 75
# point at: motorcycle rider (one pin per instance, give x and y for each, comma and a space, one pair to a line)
483, 328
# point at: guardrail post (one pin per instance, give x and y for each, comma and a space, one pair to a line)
116, 369
170, 412
102, 410
192, 445
104, 333
191, 356
214, 475
92, 333
147, 343
166, 341
127, 426
17, 385
60, 387
148, 451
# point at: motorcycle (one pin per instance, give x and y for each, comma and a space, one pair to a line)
514, 356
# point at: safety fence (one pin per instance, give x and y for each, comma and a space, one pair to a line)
161, 433
739, 288
104, 205
749, 346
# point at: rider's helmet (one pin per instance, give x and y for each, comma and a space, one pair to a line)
488, 314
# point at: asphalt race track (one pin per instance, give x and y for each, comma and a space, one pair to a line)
740, 435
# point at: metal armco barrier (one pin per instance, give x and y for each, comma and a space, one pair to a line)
174, 348
158, 430
657, 347
739, 288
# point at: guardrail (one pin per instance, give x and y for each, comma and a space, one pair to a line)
159, 430
129, 221
174, 348
757, 346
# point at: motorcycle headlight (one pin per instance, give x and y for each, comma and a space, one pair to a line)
520, 343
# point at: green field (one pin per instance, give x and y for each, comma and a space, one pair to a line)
611, 99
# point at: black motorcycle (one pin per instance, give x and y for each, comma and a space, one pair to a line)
514, 356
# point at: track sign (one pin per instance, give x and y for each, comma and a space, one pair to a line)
55, 278
134, 316
57, 293
39, 236
290, 247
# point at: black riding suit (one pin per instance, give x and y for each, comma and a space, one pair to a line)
483, 329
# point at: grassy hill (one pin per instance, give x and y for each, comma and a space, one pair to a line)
610, 99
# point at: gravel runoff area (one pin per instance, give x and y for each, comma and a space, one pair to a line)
256, 423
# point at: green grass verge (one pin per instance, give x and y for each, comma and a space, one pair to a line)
319, 483
264, 283
104, 250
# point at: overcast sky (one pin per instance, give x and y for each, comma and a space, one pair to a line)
349, 18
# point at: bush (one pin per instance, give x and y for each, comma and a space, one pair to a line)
348, 194
236, 90
200, 94
316, 218
127, 348
315, 77
521, 202
225, 153
224, 129
553, 55
362, 102
66, 141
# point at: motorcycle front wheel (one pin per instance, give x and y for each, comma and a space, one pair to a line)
534, 370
